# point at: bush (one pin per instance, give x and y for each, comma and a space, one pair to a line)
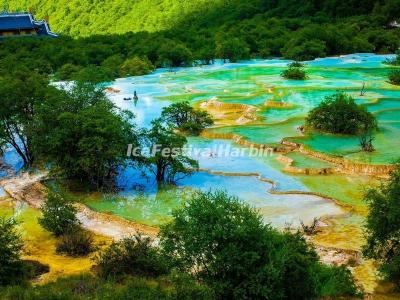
131, 256
85, 287
382, 227
340, 114
76, 243
136, 66
394, 77
294, 71
59, 215
335, 281
12, 268
225, 244
296, 64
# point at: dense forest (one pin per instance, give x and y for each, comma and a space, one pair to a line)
111, 36
88, 17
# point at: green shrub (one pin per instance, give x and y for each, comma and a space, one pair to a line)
136, 66
295, 73
296, 64
335, 281
394, 77
382, 227
131, 256
340, 114
76, 243
12, 268
88, 287
226, 245
59, 215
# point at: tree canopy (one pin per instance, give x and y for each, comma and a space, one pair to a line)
340, 114
226, 244
84, 135
185, 118
166, 157
103, 38
382, 226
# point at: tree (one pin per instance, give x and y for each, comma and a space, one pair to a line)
67, 72
339, 114
136, 66
394, 76
59, 215
295, 71
94, 74
185, 118
304, 49
382, 227
166, 157
233, 49
132, 256
12, 268
226, 244
84, 135
20, 94
174, 54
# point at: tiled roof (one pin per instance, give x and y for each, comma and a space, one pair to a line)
16, 21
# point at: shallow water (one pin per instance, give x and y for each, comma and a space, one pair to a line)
253, 83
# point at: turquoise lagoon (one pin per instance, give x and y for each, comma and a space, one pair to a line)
255, 180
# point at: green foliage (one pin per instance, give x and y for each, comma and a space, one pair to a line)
88, 287
59, 215
131, 256
394, 76
67, 72
174, 33
232, 49
12, 268
76, 243
335, 282
382, 227
185, 118
21, 91
295, 71
226, 244
83, 134
166, 158
136, 66
339, 114
93, 74
174, 54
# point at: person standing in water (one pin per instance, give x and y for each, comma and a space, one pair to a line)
135, 97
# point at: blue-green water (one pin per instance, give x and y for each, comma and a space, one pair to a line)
254, 83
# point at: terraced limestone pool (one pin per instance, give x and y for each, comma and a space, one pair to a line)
281, 108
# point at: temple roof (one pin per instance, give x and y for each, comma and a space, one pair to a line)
24, 21
16, 21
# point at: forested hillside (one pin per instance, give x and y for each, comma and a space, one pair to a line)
105, 39
87, 17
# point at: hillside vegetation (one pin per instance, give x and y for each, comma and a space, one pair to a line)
118, 38
87, 17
